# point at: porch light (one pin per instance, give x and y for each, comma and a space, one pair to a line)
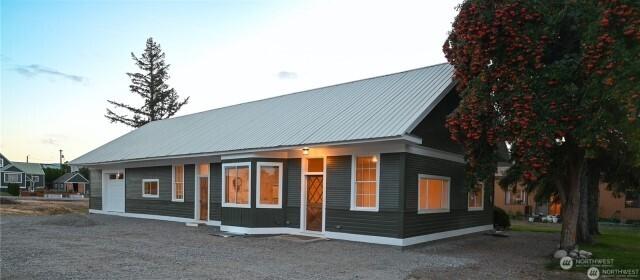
305, 151
374, 159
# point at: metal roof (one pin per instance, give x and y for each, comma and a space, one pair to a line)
28, 168
373, 108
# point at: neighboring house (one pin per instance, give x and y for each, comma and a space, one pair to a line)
368, 160
27, 175
72, 182
516, 201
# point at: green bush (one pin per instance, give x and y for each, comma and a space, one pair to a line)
500, 219
13, 189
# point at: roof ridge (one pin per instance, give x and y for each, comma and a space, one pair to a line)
303, 91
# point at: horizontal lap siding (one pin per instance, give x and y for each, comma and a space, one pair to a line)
459, 217
293, 177
387, 222
162, 205
95, 179
215, 194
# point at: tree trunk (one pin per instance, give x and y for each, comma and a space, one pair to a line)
583, 234
570, 192
594, 201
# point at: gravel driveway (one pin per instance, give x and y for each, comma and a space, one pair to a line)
108, 247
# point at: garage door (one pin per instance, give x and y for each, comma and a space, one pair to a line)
113, 191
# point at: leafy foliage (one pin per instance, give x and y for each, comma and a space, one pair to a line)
51, 174
160, 101
501, 219
551, 78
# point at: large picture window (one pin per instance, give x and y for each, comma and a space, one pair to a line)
476, 198
178, 183
269, 182
433, 194
12, 178
236, 185
364, 191
151, 188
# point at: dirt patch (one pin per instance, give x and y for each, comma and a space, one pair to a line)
42, 208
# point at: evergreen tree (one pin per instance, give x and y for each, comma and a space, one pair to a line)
160, 101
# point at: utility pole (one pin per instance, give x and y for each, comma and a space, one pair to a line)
27, 158
61, 156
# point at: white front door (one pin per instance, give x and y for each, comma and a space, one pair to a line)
113, 191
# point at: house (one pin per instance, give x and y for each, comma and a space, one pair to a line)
368, 160
71, 182
517, 201
27, 175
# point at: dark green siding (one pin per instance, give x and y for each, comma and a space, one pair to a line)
459, 217
387, 221
293, 177
135, 203
95, 179
432, 129
215, 194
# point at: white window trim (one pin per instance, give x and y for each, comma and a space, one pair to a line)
469, 208
441, 210
270, 164
151, 195
11, 173
173, 184
35, 178
224, 186
353, 207
508, 196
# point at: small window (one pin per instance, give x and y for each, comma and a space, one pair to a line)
269, 185
35, 178
476, 198
12, 178
236, 185
150, 188
515, 196
315, 165
178, 183
433, 194
632, 200
203, 170
116, 176
364, 193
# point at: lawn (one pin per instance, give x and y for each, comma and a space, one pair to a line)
620, 243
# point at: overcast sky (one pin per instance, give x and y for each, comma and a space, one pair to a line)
61, 60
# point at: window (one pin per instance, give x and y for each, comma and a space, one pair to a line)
35, 178
315, 165
116, 176
12, 178
364, 191
236, 185
433, 194
632, 200
269, 185
1, 162
515, 196
150, 188
178, 183
476, 198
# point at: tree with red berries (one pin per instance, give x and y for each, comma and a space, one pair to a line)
556, 80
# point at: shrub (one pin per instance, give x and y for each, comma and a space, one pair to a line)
500, 219
13, 189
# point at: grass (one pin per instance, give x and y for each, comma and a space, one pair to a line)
620, 243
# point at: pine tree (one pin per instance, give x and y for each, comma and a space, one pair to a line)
160, 101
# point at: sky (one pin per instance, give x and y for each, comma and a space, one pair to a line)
62, 60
